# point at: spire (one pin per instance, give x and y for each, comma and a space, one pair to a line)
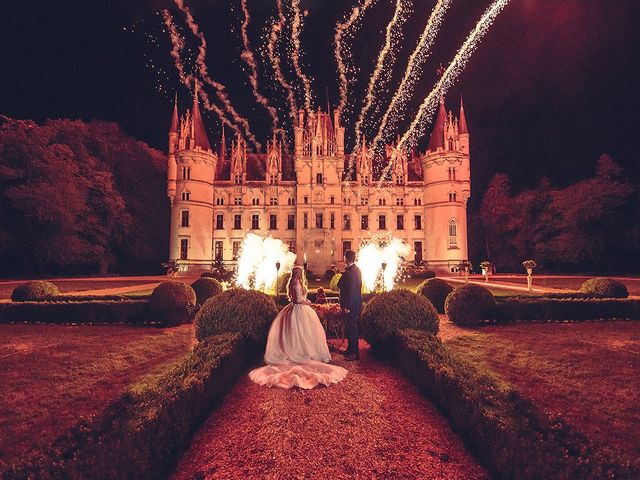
463, 120
174, 118
437, 135
200, 138
222, 153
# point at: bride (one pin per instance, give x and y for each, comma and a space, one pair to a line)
297, 353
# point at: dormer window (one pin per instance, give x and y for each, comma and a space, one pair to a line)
400, 180
450, 143
237, 179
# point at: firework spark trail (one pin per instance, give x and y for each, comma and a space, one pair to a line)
412, 73
249, 59
276, 30
345, 28
296, 28
386, 59
177, 43
428, 107
204, 73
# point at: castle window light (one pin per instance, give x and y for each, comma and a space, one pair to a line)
273, 201
417, 222
255, 221
417, 248
319, 220
237, 201
184, 248
292, 246
306, 199
332, 221
400, 222
237, 222
305, 221
220, 221
273, 222
184, 218
346, 246
332, 200
346, 222
218, 249
236, 249
291, 222
364, 222
453, 232
319, 178
382, 222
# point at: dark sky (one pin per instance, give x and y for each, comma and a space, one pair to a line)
553, 85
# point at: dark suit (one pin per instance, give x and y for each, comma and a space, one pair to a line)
350, 286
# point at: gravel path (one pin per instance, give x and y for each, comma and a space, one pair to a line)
375, 424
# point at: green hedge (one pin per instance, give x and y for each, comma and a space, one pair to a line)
133, 312
173, 302
91, 298
558, 309
205, 288
389, 312
508, 433
436, 291
605, 288
470, 304
36, 290
142, 434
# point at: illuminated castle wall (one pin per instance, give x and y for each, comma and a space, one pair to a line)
324, 206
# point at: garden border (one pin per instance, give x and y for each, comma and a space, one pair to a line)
507, 432
143, 433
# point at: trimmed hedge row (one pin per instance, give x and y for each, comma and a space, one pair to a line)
133, 312
90, 298
142, 434
557, 309
508, 433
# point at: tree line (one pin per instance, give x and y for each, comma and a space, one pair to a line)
592, 226
80, 197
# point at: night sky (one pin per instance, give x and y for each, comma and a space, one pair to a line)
552, 86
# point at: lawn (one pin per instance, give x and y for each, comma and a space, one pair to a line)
586, 373
563, 283
72, 285
52, 375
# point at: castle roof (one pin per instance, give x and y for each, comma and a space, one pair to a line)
437, 135
463, 120
200, 138
174, 118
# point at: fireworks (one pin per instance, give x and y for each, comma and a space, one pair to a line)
257, 262
296, 54
428, 107
380, 262
386, 59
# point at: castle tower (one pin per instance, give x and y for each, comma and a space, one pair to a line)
238, 161
191, 210
274, 161
172, 166
446, 174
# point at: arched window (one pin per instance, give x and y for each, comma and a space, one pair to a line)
186, 196
453, 232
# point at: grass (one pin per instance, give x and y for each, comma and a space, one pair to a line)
563, 283
51, 376
75, 285
586, 373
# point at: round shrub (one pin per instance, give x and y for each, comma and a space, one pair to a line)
333, 284
605, 288
247, 312
34, 291
206, 288
173, 302
469, 304
388, 312
436, 290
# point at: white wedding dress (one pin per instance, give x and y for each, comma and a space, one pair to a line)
297, 353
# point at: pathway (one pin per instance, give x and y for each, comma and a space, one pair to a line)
375, 424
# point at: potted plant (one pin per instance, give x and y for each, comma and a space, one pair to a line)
487, 269
172, 267
529, 265
465, 266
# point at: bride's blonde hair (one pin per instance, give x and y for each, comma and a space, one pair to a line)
297, 273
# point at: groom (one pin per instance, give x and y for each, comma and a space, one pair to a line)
350, 286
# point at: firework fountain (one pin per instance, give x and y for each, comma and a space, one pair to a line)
381, 262
257, 262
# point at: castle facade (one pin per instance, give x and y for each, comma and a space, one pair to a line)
327, 203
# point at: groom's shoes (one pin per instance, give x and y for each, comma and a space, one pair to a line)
350, 357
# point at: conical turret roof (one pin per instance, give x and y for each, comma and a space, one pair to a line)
437, 135
174, 118
200, 138
463, 120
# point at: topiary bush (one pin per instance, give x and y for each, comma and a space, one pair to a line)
333, 284
469, 304
247, 312
388, 312
173, 302
34, 291
436, 290
206, 288
605, 288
